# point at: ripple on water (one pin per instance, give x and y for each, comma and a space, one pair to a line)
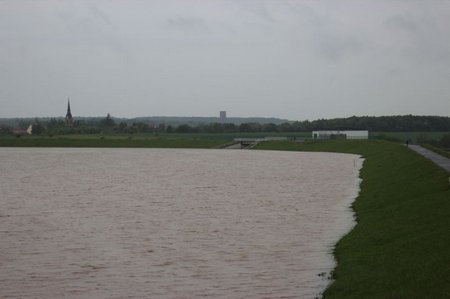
136, 223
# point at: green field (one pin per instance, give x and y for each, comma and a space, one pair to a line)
415, 137
399, 136
400, 247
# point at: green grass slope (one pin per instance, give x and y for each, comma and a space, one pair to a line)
400, 247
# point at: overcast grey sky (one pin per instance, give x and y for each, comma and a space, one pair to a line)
289, 59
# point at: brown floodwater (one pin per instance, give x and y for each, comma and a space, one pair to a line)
171, 223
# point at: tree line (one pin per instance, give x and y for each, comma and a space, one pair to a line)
111, 125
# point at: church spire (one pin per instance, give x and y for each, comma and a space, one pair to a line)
69, 114
69, 120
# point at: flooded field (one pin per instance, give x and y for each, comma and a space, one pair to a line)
166, 223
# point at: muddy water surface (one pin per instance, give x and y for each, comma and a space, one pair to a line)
150, 223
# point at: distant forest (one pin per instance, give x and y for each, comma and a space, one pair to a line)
56, 126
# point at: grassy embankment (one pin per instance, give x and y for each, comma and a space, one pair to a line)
146, 140
90, 141
400, 247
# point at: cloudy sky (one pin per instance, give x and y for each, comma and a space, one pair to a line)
291, 59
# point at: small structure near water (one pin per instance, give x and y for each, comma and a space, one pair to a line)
249, 143
356, 134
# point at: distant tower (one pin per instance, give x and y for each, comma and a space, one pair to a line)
223, 117
69, 119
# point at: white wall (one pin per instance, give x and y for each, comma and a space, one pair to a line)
360, 134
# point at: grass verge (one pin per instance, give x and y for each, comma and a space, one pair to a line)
400, 247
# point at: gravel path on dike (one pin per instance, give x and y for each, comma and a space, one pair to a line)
441, 161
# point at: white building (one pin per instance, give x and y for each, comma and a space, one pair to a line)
340, 134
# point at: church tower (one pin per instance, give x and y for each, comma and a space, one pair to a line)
69, 119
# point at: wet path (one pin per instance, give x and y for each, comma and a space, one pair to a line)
441, 161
